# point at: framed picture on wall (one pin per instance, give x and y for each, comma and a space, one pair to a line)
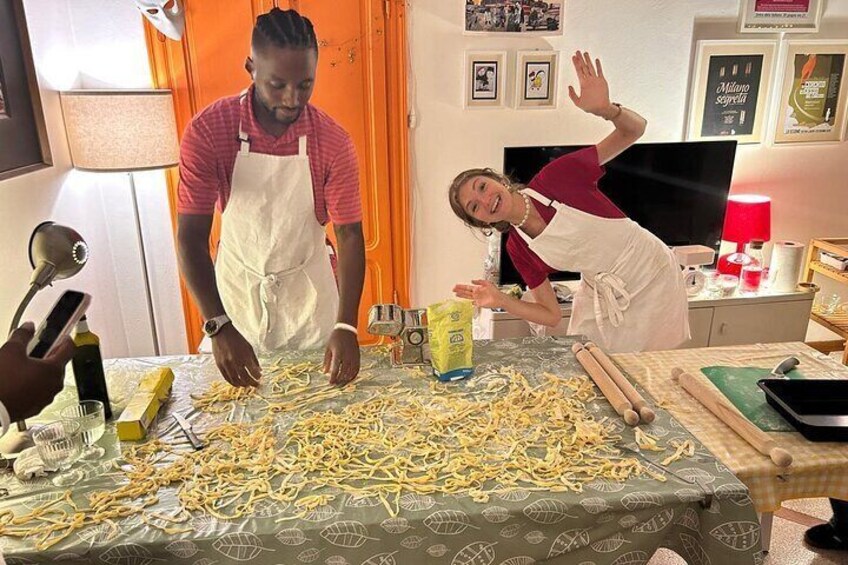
23, 135
813, 92
730, 90
536, 79
485, 79
513, 17
770, 16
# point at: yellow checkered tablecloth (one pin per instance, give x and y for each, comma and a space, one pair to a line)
819, 469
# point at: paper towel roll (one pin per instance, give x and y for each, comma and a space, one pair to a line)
787, 258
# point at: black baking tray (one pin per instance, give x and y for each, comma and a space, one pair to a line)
818, 408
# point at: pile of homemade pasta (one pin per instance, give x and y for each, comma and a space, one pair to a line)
490, 435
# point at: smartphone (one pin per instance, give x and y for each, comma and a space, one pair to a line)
63, 317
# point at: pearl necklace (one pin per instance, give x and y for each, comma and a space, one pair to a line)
526, 211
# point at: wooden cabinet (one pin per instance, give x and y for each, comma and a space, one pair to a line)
735, 320
836, 321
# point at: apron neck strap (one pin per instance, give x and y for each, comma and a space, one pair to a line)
244, 141
301, 146
243, 138
538, 197
544, 200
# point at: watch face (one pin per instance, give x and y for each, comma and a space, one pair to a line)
210, 327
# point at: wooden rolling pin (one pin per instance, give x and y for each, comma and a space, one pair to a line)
727, 413
646, 414
612, 393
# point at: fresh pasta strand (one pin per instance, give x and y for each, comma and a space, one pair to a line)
492, 436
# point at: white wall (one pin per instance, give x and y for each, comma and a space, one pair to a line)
92, 44
646, 50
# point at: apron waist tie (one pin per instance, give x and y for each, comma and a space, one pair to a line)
267, 295
609, 293
611, 290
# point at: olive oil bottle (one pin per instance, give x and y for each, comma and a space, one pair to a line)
88, 367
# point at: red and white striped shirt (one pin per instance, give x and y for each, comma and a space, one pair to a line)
210, 144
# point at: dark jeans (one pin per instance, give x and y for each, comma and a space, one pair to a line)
840, 517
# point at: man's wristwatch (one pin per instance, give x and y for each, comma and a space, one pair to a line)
213, 325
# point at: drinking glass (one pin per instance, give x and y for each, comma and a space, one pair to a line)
829, 304
90, 415
59, 445
750, 279
711, 284
727, 285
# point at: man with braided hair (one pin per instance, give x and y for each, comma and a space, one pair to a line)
278, 169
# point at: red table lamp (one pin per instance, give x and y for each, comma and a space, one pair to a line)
748, 216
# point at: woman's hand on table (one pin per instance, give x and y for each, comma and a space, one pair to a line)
235, 357
483, 293
341, 358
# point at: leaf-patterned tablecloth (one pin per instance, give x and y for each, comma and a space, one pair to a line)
617, 523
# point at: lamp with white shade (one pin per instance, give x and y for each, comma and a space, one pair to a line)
123, 131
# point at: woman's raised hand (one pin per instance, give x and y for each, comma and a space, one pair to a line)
594, 90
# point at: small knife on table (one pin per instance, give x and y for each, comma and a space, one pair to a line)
187, 429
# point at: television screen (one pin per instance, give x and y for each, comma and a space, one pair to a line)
677, 191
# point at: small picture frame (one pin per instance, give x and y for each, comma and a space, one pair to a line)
536, 78
773, 16
485, 79
813, 93
513, 17
731, 82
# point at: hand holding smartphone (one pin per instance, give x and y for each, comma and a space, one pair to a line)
32, 362
61, 320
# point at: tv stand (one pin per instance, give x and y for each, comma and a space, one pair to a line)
734, 320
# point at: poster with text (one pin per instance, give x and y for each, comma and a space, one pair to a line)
813, 105
769, 16
730, 94
733, 84
786, 6
815, 92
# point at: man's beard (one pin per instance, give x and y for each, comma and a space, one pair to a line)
277, 113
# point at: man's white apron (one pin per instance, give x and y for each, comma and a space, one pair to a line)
272, 269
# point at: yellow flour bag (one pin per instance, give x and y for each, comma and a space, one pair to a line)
451, 346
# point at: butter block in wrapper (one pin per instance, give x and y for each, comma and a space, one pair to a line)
153, 390
451, 344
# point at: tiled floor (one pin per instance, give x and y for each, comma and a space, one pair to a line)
787, 546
